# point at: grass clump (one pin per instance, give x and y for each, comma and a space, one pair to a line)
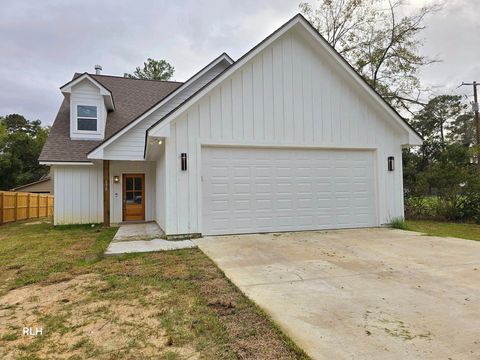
399, 223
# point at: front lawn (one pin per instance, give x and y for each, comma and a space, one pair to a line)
170, 305
436, 228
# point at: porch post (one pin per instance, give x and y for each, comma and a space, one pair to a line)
106, 193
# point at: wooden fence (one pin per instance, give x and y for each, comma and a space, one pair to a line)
16, 206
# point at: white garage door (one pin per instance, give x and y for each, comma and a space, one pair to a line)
248, 190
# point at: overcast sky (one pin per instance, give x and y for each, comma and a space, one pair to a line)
42, 43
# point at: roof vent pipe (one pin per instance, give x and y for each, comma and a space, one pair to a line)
98, 69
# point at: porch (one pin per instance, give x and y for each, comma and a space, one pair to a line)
132, 194
143, 237
138, 231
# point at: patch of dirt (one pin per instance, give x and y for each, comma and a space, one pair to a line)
33, 223
251, 333
393, 327
75, 323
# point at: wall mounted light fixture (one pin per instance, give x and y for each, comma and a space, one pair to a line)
391, 163
183, 158
116, 179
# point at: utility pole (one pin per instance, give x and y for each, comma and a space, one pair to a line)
475, 108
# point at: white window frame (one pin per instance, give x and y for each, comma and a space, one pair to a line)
75, 133
77, 130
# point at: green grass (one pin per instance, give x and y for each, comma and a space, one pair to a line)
34, 252
10, 337
446, 229
399, 223
169, 305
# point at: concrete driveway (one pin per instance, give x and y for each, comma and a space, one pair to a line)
362, 294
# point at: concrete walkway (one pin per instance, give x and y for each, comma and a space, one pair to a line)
126, 247
143, 237
361, 294
140, 231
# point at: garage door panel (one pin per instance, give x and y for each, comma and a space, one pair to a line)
284, 204
261, 190
241, 171
220, 205
283, 171
219, 188
264, 204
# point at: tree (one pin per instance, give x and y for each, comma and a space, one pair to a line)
438, 115
21, 142
153, 70
343, 23
383, 48
441, 181
462, 130
3, 130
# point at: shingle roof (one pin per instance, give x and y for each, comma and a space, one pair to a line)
132, 97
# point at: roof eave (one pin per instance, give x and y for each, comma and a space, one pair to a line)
66, 162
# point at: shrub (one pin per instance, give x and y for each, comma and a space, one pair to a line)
442, 183
456, 208
421, 207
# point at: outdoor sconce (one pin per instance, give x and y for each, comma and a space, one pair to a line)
183, 158
116, 179
391, 163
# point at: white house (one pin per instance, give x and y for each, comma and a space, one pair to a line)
288, 137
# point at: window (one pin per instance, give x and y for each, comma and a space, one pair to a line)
87, 118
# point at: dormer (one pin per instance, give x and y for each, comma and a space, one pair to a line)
90, 102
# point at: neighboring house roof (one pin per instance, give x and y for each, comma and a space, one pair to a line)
132, 98
25, 187
297, 19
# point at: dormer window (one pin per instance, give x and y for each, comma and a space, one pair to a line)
89, 106
86, 118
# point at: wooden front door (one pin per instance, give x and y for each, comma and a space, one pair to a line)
133, 197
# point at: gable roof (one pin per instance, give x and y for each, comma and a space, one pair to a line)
132, 98
222, 57
414, 136
105, 92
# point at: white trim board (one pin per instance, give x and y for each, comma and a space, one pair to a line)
50, 163
284, 145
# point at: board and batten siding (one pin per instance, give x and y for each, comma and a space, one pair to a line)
130, 146
290, 94
78, 194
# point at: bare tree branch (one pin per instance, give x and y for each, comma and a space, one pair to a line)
382, 46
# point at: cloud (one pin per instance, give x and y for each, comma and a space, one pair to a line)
451, 36
44, 42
